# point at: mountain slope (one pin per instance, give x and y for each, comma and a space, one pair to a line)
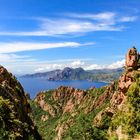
107, 113
15, 120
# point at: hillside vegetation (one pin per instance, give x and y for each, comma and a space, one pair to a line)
15, 111
107, 113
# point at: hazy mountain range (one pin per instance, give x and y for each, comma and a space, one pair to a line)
78, 74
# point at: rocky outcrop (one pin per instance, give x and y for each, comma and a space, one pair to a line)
40, 100
125, 81
12, 92
132, 59
67, 97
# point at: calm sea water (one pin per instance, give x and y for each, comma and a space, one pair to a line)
34, 85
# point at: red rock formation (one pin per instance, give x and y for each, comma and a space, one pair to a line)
131, 58
125, 81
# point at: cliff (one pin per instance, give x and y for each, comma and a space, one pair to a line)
107, 113
15, 111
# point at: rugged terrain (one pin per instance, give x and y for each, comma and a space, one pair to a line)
79, 74
107, 113
15, 111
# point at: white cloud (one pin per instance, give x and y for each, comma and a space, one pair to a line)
73, 23
71, 26
110, 18
98, 16
77, 63
94, 66
55, 27
28, 46
15, 63
117, 64
65, 63
13, 58
128, 19
48, 67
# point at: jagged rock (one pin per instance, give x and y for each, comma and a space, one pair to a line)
125, 81
69, 106
40, 100
67, 92
132, 59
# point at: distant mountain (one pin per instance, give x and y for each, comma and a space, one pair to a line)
78, 74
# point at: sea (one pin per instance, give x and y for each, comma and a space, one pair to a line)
35, 85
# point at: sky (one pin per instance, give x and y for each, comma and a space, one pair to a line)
43, 35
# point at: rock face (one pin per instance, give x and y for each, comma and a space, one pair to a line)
63, 95
132, 58
18, 125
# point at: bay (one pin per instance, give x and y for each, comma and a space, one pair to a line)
35, 85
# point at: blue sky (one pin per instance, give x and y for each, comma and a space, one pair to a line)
41, 35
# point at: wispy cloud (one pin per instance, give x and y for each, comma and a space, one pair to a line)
106, 17
71, 26
73, 23
28, 46
128, 19
13, 58
14, 62
97, 17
